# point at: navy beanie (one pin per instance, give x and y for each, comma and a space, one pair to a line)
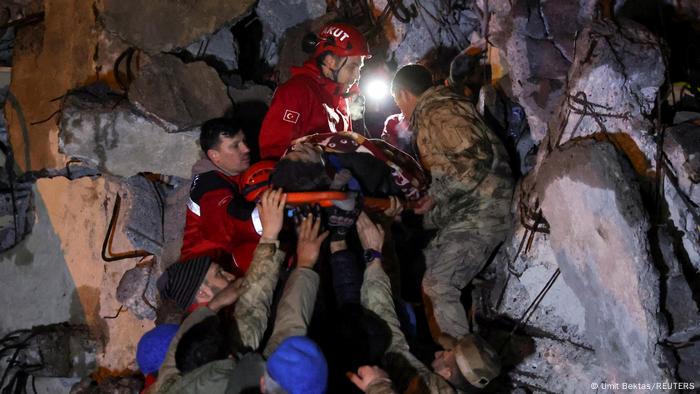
153, 346
299, 366
181, 280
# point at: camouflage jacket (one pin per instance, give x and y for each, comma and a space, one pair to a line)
408, 373
471, 181
251, 315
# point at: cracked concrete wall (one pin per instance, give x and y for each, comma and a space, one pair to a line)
57, 274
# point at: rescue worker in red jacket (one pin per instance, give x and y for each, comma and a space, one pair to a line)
314, 99
220, 222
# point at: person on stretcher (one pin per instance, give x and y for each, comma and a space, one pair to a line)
349, 162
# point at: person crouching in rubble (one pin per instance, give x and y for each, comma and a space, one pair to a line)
469, 197
467, 365
218, 223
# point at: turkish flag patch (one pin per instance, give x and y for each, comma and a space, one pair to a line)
290, 116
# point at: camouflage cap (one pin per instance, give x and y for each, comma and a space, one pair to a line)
477, 361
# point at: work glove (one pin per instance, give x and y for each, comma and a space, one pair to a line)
341, 217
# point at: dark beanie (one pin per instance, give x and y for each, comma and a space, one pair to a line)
181, 280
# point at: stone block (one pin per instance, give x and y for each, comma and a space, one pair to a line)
179, 96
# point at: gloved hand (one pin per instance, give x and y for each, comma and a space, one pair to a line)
341, 217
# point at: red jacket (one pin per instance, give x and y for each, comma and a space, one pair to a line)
218, 222
306, 104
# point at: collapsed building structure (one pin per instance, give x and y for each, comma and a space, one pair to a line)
598, 281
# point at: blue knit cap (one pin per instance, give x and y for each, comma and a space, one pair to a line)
299, 366
153, 346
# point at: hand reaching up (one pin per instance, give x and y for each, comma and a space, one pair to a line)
271, 207
228, 295
366, 375
309, 241
371, 235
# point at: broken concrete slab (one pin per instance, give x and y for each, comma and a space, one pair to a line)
431, 25
560, 313
143, 200
612, 90
679, 303
110, 136
219, 50
599, 236
61, 350
59, 264
686, 219
175, 213
64, 52
48, 59
179, 96
161, 25
538, 39
682, 149
279, 15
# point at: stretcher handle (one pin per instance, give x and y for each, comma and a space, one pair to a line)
325, 199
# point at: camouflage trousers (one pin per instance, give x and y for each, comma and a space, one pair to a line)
453, 258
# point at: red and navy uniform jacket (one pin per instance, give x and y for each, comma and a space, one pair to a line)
306, 104
220, 223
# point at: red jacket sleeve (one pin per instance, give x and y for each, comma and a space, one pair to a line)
218, 225
286, 120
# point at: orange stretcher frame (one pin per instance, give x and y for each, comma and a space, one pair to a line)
325, 199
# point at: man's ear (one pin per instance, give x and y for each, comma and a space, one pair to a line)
262, 384
213, 155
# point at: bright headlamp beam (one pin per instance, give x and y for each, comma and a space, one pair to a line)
377, 89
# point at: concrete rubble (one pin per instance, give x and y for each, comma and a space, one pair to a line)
152, 28
110, 136
560, 314
137, 289
625, 307
612, 89
422, 27
219, 49
681, 189
279, 15
179, 96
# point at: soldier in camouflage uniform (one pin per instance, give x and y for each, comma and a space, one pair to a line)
469, 197
469, 364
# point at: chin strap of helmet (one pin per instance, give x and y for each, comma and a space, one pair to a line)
336, 71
